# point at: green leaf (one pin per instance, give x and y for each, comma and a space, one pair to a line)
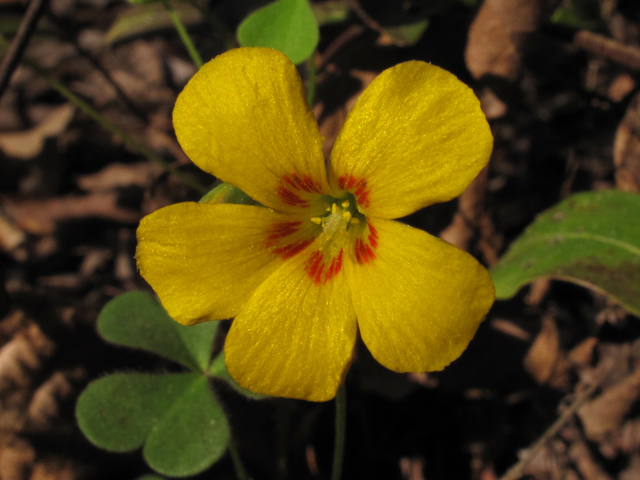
176, 415
150, 476
592, 239
150, 18
407, 35
330, 12
286, 25
192, 436
136, 319
219, 370
579, 14
119, 411
227, 193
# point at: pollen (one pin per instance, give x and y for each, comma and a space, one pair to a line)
316, 220
345, 204
334, 208
346, 215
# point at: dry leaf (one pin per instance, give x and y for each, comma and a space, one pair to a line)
117, 175
606, 412
28, 144
40, 217
626, 149
16, 458
544, 352
586, 465
582, 354
497, 34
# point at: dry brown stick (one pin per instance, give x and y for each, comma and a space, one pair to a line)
517, 471
607, 48
14, 52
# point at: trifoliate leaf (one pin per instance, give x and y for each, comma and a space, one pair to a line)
136, 319
286, 25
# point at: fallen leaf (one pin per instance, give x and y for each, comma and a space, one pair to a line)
626, 149
585, 463
28, 144
40, 217
117, 175
605, 413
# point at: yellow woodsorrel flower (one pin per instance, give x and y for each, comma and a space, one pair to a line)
324, 256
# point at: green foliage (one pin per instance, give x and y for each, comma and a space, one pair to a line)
227, 193
330, 12
591, 238
579, 14
176, 417
285, 25
149, 17
407, 35
136, 319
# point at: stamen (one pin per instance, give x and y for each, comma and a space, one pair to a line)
316, 220
345, 204
346, 215
354, 221
334, 208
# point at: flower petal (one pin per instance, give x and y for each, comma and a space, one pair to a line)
205, 261
295, 336
243, 117
420, 301
415, 137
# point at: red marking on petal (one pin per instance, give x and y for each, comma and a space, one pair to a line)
281, 230
291, 249
373, 241
338, 263
373, 231
291, 198
351, 182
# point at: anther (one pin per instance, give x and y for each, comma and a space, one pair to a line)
354, 221
346, 215
345, 204
316, 220
334, 208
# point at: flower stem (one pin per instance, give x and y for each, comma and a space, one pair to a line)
126, 139
341, 427
241, 473
311, 82
184, 35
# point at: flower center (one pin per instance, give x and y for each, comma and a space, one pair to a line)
342, 220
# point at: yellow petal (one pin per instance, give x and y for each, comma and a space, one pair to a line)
205, 261
243, 117
420, 300
415, 137
295, 336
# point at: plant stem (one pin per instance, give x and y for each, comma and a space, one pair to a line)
241, 473
311, 82
341, 427
184, 35
126, 139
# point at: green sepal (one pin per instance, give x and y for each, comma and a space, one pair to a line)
227, 193
136, 319
288, 26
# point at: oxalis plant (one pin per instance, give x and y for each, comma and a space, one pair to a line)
303, 253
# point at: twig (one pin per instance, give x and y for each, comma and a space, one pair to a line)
626, 55
14, 52
517, 470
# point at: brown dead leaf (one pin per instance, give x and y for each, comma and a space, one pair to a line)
117, 175
626, 149
10, 236
585, 463
497, 34
621, 86
632, 472
44, 404
16, 458
605, 413
544, 352
55, 469
582, 354
628, 437
28, 144
510, 328
40, 217
412, 468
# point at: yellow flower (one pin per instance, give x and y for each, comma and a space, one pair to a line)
323, 257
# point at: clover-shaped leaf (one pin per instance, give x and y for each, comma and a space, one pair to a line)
175, 416
136, 319
286, 25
